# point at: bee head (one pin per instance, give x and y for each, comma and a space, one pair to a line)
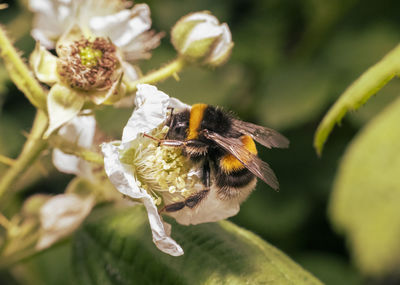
178, 126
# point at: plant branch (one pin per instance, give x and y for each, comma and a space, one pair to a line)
171, 69
20, 73
6, 160
32, 149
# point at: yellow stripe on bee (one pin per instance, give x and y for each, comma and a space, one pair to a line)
229, 163
196, 116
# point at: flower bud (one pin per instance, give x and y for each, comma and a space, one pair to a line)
199, 37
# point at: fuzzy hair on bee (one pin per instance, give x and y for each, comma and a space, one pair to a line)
225, 149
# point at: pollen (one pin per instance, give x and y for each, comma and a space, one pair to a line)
89, 56
161, 170
89, 65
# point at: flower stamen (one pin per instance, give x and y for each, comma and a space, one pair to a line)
89, 65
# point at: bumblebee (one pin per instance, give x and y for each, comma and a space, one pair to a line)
224, 147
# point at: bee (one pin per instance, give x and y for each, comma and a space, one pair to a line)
225, 149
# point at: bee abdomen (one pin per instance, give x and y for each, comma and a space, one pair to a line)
237, 184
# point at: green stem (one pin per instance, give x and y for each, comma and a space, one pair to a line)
20, 73
358, 93
6, 160
30, 152
171, 69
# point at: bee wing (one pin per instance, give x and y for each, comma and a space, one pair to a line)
265, 136
252, 162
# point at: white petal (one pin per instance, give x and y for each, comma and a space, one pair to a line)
71, 164
81, 131
202, 16
130, 72
202, 31
160, 237
150, 112
61, 215
224, 43
44, 65
123, 27
63, 104
211, 209
52, 18
122, 177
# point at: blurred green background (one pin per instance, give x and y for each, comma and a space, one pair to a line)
291, 61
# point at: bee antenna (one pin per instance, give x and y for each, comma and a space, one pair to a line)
153, 138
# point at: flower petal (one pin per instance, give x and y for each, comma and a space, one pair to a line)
211, 209
123, 26
150, 112
223, 49
121, 176
79, 130
63, 104
111, 95
61, 215
52, 18
44, 65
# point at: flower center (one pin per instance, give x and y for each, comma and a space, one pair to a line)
90, 65
90, 56
162, 171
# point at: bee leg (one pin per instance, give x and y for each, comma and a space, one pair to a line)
173, 143
169, 121
174, 207
195, 199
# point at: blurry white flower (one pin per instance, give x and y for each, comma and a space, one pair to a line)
80, 131
200, 37
128, 28
61, 215
159, 175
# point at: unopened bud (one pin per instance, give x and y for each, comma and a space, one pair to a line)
199, 37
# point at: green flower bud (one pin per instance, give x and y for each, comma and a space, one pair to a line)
199, 37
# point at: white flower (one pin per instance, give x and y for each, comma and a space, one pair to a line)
200, 37
129, 29
79, 131
85, 71
150, 113
159, 175
61, 215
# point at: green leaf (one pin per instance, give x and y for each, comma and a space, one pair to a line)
63, 104
366, 197
117, 249
358, 93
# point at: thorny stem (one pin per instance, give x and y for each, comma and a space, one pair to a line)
171, 69
32, 149
20, 74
